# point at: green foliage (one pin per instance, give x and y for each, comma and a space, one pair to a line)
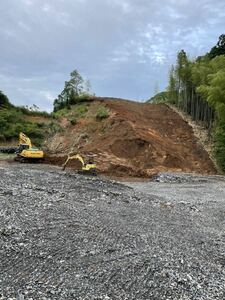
61, 113
102, 113
53, 128
73, 120
74, 112
80, 110
4, 101
84, 97
29, 112
76, 90
219, 49
12, 122
172, 90
183, 67
219, 148
162, 97
214, 92
198, 88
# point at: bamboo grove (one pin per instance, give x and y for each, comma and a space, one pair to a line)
198, 88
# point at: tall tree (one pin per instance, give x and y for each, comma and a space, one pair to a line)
73, 88
219, 49
172, 88
182, 72
4, 101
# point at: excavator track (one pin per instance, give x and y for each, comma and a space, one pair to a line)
89, 172
21, 159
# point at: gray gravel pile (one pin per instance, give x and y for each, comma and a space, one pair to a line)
185, 178
66, 236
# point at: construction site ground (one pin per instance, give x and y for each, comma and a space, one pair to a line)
136, 140
67, 236
155, 232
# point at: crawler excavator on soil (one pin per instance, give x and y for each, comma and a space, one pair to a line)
88, 168
26, 152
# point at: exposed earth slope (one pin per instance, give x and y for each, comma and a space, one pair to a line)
136, 139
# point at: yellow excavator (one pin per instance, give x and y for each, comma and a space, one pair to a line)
26, 152
88, 168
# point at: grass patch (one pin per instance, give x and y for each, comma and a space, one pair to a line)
102, 113
72, 114
6, 155
61, 113
80, 110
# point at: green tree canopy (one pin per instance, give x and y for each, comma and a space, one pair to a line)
4, 101
197, 87
219, 49
73, 89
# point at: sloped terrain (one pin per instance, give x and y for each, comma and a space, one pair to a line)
65, 236
135, 140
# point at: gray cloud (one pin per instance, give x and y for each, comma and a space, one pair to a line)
124, 47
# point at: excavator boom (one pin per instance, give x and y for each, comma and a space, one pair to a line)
24, 140
89, 168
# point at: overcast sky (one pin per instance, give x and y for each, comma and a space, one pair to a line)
125, 47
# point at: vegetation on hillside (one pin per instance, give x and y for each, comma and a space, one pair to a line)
198, 88
161, 97
102, 113
14, 120
4, 101
74, 101
75, 91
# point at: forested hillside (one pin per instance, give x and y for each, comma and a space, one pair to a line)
14, 119
197, 87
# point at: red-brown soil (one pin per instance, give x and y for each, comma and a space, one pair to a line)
135, 140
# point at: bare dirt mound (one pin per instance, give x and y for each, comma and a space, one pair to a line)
135, 140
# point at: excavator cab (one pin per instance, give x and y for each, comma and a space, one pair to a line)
21, 148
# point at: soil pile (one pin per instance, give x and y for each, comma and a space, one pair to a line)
135, 140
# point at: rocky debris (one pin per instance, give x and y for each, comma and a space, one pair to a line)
184, 178
67, 236
8, 150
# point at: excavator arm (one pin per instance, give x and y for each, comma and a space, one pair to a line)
89, 168
77, 156
24, 140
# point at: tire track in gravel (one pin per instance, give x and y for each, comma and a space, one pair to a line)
61, 240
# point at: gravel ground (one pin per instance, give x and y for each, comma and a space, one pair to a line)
65, 236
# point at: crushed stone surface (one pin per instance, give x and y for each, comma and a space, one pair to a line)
67, 236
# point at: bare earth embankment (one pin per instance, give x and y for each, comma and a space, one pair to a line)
136, 140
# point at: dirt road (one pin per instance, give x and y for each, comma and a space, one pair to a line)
64, 236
